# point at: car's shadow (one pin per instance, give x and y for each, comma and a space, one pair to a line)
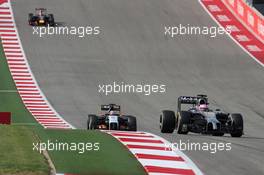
60, 24
194, 135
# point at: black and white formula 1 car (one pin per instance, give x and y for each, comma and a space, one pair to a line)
111, 119
199, 118
41, 18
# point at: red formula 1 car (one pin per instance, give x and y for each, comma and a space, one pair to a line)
41, 18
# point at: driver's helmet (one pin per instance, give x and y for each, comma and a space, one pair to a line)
40, 12
113, 113
202, 105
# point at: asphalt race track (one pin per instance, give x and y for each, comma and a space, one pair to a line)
132, 48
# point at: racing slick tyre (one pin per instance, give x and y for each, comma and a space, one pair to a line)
113, 126
131, 123
51, 20
237, 125
167, 121
183, 119
30, 17
92, 122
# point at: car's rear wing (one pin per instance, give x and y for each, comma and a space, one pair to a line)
40, 9
43, 10
110, 107
190, 100
187, 100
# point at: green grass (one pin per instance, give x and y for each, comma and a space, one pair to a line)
16, 155
16, 152
111, 159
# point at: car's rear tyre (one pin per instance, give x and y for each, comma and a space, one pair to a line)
51, 20
167, 121
92, 122
183, 119
237, 125
30, 17
131, 123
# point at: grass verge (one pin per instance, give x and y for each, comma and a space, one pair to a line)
17, 155
112, 158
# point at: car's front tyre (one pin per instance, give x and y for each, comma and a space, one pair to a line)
167, 121
92, 122
131, 123
237, 125
183, 120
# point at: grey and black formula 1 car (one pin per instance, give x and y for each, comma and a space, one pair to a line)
41, 18
199, 118
111, 119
